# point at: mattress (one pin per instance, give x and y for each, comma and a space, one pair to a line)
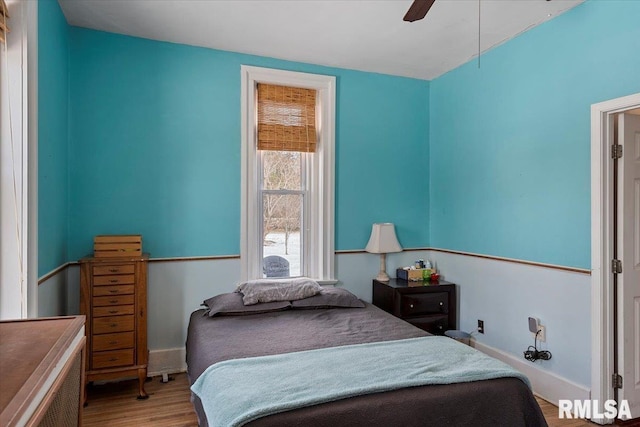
497, 402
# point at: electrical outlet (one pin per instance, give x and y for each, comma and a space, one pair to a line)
481, 326
542, 335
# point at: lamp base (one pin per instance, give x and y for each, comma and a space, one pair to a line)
382, 275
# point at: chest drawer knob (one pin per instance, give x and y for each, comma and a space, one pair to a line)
441, 303
440, 327
113, 325
113, 291
113, 280
113, 301
113, 270
410, 305
113, 359
113, 311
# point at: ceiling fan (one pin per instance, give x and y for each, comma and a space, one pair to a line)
418, 10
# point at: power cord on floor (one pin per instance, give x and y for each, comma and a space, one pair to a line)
532, 354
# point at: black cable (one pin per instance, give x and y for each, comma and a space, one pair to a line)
532, 354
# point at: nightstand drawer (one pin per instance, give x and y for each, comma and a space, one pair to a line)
105, 270
106, 325
114, 300
116, 310
110, 359
115, 341
429, 306
121, 279
100, 291
420, 304
433, 324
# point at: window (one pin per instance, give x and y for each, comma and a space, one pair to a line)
287, 174
284, 196
4, 14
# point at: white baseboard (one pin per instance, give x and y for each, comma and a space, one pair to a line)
549, 386
167, 361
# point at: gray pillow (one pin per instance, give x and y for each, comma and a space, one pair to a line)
232, 305
268, 290
329, 297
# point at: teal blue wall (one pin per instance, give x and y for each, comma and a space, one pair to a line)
151, 142
155, 147
53, 99
510, 142
493, 160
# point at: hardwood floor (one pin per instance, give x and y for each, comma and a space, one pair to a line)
551, 415
115, 405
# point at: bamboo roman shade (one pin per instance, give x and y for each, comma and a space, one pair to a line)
4, 14
286, 118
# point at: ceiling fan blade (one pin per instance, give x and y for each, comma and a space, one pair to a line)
418, 10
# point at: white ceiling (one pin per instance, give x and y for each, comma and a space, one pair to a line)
363, 35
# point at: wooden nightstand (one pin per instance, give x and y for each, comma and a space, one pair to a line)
431, 307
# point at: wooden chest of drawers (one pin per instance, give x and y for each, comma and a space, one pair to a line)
114, 300
431, 307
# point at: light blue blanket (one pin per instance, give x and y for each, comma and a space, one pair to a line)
235, 392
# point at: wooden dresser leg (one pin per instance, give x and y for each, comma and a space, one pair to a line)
142, 376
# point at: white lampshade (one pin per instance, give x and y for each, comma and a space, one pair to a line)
383, 239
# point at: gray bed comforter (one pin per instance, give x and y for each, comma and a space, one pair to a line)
499, 402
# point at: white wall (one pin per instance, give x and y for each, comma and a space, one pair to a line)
487, 290
177, 288
504, 294
52, 295
59, 294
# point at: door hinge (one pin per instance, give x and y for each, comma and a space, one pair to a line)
616, 151
616, 266
616, 380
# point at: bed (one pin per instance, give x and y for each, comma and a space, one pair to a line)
494, 402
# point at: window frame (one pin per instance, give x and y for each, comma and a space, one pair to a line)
19, 214
319, 257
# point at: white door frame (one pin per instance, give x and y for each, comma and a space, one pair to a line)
601, 245
19, 182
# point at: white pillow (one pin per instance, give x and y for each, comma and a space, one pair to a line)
268, 290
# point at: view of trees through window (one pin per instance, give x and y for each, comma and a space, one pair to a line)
283, 201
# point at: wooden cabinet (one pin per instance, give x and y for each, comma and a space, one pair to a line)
431, 307
41, 370
114, 299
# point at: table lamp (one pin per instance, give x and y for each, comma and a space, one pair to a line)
383, 240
